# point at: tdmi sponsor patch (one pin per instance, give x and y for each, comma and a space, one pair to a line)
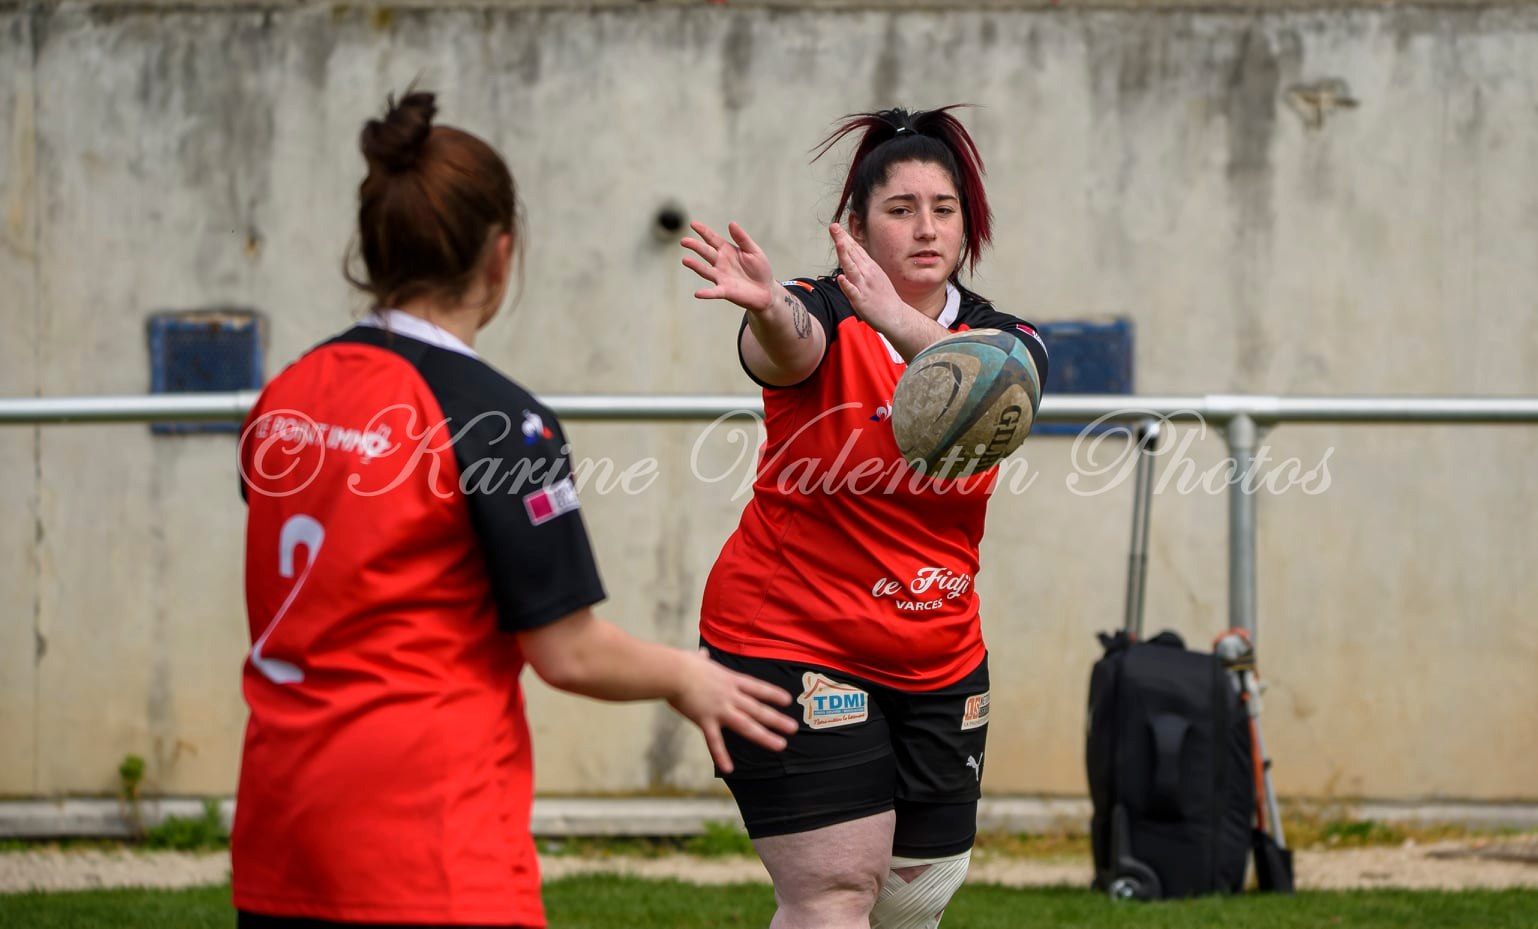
549, 502
826, 703
976, 713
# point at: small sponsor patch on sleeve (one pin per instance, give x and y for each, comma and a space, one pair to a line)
976, 713
1028, 330
534, 428
801, 284
547, 503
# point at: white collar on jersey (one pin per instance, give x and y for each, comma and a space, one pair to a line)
947, 318
415, 327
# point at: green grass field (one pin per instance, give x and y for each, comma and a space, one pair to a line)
609, 902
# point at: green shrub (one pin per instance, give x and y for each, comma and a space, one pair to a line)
190, 833
719, 840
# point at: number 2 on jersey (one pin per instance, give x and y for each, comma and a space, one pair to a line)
297, 530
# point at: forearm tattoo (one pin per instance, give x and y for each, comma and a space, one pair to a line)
799, 317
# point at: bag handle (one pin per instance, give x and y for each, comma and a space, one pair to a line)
1146, 436
1169, 735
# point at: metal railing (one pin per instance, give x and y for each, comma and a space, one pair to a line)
1244, 417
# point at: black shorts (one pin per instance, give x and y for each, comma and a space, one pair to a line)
863, 749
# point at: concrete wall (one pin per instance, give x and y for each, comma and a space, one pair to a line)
1315, 202
18, 376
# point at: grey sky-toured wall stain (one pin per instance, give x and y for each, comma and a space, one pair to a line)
1258, 74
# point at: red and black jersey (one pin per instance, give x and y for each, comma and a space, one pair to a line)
845, 556
409, 507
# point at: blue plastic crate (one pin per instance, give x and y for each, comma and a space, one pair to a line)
204, 350
1086, 358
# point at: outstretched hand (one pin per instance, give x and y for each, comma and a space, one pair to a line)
738, 270
713, 696
868, 288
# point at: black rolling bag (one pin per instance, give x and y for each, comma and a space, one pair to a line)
1170, 772
1169, 752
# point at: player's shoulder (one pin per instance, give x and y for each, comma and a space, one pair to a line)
325, 372
977, 312
476, 377
471, 389
975, 309
822, 286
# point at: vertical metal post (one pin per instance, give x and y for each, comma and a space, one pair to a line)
1145, 443
1242, 435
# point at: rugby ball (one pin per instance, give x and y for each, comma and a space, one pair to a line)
965, 403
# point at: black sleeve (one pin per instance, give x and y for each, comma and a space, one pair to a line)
819, 305
515, 473
984, 316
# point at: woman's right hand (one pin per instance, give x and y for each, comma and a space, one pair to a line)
712, 696
583, 654
737, 270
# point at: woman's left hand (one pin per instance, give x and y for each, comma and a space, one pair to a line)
868, 288
875, 300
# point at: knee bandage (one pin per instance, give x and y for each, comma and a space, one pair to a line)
918, 904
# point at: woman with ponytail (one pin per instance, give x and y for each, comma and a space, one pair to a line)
850, 580
413, 540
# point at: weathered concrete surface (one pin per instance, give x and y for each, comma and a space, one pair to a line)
1290, 202
20, 532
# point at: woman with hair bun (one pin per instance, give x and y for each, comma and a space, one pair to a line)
850, 580
413, 540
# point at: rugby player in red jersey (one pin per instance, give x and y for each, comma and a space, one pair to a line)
850, 579
414, 539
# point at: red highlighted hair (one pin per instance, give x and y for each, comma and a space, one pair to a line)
894, 136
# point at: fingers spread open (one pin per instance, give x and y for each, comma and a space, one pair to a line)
717, 746
760, 714
741, 237
774, 719
700, 248
701, 268
745, 725
711, 237
765, 691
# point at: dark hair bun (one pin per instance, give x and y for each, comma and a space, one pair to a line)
395, 142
